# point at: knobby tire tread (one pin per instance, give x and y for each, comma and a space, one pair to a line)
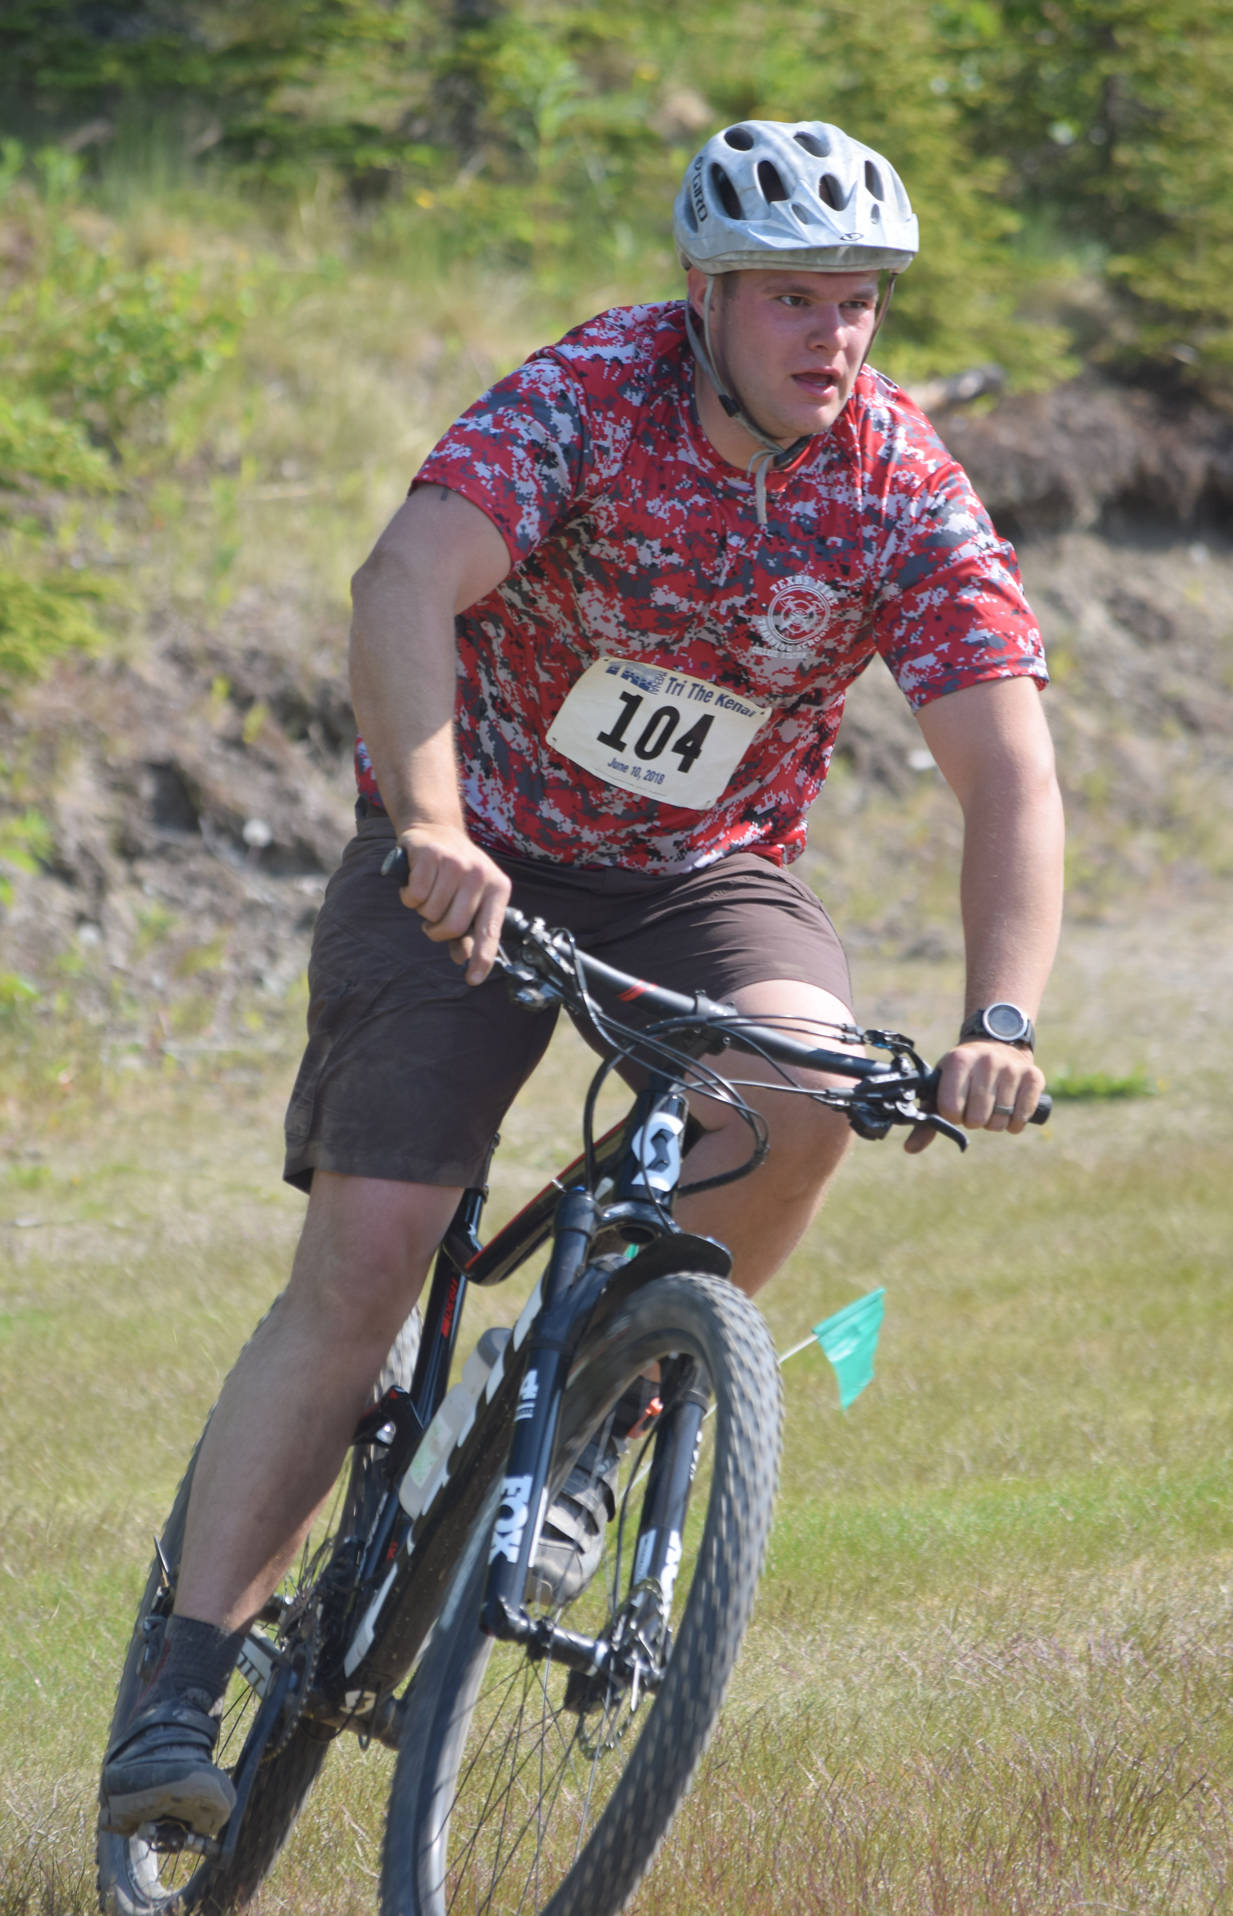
711, 1314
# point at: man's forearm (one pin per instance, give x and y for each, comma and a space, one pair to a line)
438, 555
403, 670
1011, 888
993, 747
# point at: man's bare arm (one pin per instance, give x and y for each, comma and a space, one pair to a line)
992, 744
438, 555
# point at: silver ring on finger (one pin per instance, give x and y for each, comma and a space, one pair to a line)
1004, 1110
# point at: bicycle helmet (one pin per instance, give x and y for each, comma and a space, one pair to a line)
801, 194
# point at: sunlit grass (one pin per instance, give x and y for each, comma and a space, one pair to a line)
990, 1666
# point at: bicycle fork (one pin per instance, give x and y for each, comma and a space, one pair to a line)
637, 1638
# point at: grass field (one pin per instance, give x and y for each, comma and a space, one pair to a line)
991, 1666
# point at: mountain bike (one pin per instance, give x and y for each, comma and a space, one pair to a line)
545, 1734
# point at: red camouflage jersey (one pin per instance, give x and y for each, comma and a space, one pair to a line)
633, 542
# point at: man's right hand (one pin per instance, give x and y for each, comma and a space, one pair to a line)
459, 893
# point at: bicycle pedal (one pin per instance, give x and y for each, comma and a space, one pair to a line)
171, 1839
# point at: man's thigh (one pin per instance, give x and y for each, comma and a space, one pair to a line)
802, 1134
761, 1216
408, 1070
738, 922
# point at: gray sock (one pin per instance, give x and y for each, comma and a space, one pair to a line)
196, 1663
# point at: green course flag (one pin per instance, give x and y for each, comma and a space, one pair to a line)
849, 1339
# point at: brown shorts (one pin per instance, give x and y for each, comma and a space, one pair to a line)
408, 1071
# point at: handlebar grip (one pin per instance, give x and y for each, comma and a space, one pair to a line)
394, 865
929, 1089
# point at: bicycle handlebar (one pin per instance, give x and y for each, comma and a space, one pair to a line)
545, 966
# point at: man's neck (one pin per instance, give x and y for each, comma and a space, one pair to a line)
729, 438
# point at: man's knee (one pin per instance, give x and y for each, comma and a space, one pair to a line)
365, 1249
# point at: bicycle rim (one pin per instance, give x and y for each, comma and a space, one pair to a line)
521, 1788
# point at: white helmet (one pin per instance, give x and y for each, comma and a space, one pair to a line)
773, 193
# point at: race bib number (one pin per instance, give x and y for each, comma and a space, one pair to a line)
656, 732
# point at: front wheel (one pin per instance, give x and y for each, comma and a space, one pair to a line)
156, 1872
523, 1786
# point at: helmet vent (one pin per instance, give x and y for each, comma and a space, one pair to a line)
831, 192
873, 180
726, 193
812, 144
770, 181
739, 137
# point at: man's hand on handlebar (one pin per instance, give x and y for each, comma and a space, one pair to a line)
984, 1086
458, 891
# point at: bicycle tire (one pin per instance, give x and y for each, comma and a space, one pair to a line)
136, 1878
497, 1803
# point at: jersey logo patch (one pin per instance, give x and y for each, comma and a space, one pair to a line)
797, 614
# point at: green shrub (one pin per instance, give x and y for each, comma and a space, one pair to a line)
25, 844
1087, 1085
38, 450
92, 341
42, 619
100, 337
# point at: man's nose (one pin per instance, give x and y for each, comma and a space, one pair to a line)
826, 323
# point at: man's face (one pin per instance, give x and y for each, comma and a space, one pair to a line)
792, 343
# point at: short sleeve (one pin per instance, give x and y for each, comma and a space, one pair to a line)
520, 453
952, 610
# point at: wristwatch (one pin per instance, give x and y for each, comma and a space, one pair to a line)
1004, 1022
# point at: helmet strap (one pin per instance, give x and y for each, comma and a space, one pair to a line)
771, 454
883, 309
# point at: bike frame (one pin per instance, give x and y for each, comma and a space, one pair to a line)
408, 1563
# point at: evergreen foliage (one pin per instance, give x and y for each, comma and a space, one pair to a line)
1069, 158
1116, 120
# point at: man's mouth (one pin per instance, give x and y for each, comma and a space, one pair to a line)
820, 382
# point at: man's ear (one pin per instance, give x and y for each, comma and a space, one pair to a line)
695, 288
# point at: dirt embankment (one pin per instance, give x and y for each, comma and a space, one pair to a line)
198, 794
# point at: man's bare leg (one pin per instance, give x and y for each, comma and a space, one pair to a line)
274, 1446
762, 1218
280, 1431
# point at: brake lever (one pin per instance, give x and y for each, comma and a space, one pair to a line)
944, 1126
526, 987
876, 1120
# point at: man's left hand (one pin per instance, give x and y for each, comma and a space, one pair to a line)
984, 1086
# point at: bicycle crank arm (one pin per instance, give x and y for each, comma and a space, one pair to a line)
272, 1705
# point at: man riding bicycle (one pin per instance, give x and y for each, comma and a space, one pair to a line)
598, 661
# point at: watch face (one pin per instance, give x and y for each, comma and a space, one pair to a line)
1006, 1022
